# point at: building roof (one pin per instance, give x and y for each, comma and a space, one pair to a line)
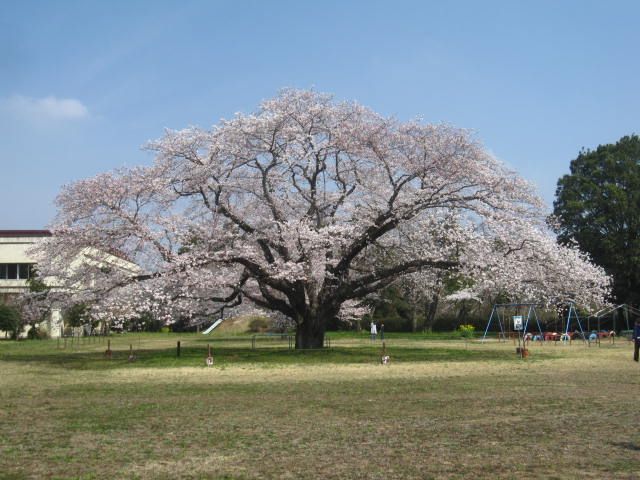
24, 233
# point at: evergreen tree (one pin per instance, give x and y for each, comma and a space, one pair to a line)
598, 206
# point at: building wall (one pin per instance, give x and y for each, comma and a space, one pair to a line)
14, 250
14, 246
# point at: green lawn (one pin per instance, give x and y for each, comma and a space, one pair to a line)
441, 409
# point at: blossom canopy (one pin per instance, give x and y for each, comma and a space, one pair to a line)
304, 208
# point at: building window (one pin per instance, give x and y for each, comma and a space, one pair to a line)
23, 271
12, 271
15, 271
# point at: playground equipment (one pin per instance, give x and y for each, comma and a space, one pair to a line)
600, 315
499, 313
212, 327
572, 313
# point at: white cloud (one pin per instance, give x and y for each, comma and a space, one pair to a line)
45, 108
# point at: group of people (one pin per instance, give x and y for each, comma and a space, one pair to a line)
374, 331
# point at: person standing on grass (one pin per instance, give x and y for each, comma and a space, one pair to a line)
374, 331
636, 341
382, 331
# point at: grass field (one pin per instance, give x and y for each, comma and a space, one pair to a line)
441, 409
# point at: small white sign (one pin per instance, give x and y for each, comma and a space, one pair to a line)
517, 322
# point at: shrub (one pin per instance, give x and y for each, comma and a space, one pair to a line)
37, 333
466, 331
146, 322
258, 324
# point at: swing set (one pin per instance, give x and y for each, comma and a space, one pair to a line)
499, 312
601, 317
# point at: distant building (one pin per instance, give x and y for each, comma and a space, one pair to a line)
17, 266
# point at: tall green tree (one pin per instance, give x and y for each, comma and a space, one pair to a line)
10, 320
598, 206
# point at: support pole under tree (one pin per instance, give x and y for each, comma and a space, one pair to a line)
178, 349
209, 359
384, 358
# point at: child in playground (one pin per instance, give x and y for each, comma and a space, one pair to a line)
636, 341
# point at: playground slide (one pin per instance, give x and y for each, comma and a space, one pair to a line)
210, 329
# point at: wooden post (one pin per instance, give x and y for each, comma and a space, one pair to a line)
384, 358
178, 349
108, 353
209, 359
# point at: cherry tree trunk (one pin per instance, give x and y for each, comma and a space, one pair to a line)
431, 308
310, 333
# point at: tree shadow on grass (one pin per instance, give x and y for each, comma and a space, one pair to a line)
195, 355
627, 445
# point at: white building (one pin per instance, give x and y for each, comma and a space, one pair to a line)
16, 267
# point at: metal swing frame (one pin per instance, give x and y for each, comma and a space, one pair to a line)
572, 310
614, 308
501, 319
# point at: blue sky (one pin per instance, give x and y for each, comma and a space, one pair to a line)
84, 84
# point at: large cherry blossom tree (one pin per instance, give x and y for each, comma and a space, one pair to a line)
304, 208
